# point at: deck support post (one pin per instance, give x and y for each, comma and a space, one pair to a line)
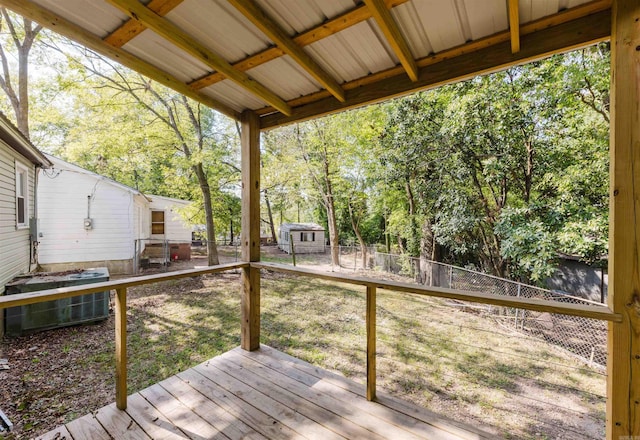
623, 365
250, 235
121, 347
371, 342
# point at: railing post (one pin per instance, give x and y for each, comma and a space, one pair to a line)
121, 348
623, 361
371, 342
250, 234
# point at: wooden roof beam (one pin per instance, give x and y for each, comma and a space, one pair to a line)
514, 25
184, 41
46, 18
500, 37
568, 36
390, 29
132, 28
323, 30
270, 28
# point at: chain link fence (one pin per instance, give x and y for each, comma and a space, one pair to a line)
150, 252
583, 337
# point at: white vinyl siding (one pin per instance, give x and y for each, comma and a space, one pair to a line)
63, 206
14, 242
175, 229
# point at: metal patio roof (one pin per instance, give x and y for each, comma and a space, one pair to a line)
290, 60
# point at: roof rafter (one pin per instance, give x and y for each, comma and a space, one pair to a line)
390, 29
29, 9
131, 28
270, 28
323, 30
564, 37
186, 42
526, 29
514, 25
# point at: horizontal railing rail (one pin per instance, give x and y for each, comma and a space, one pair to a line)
120, 312
371, 284
599, 312
22, 299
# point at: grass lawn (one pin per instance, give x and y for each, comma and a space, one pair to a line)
457, 363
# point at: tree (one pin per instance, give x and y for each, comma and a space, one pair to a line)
23, 34
503, 171
200, 141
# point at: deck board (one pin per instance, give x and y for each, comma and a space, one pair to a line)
258, 395
152, 421
333, 384
87, 427
311, 404
217, 416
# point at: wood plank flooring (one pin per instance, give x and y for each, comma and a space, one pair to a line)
263, 394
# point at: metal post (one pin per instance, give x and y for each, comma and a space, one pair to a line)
355, 258
135, 256
517, 310
450, 277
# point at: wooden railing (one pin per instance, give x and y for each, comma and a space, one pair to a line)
371, 285
120, 312
539, 305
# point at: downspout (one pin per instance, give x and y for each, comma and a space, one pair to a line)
33, 239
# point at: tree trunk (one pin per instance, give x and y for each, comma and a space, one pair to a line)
528, 175
427, 252
212, 249
334, 238
413, 242
274, 237
387, 238
23, 92
356, 229
333, 231
20, 100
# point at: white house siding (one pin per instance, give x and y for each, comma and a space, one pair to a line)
14, 243
141, 221
175, 229
63, 208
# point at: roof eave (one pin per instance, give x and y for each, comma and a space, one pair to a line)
10, 134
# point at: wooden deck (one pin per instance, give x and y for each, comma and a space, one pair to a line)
257, 395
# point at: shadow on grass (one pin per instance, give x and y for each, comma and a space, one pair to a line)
174, 329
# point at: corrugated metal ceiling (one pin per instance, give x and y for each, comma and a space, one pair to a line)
350, 54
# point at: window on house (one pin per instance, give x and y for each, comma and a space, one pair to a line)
307, 236
157, 222
22, 195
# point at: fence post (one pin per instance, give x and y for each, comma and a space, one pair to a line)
293, 249
371, 342
355, 258
121, 348
136, 257
517, 310
450, 277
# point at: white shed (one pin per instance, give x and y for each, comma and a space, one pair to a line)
88, 220
306, 238
20, 163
